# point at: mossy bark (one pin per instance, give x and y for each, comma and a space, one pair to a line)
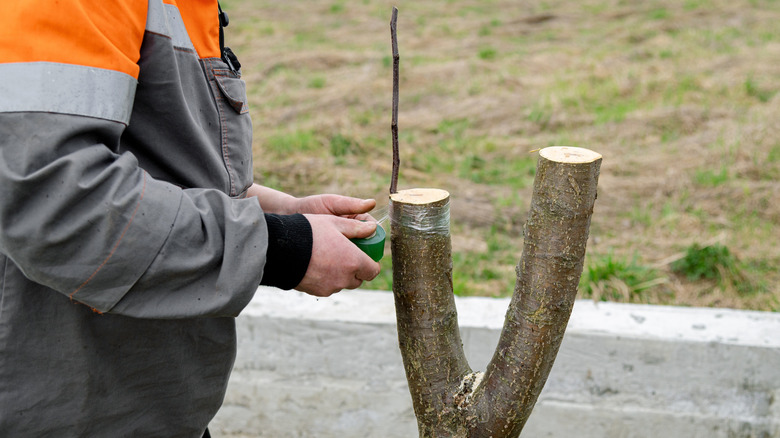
449, 399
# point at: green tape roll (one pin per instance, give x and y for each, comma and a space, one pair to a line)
374, 246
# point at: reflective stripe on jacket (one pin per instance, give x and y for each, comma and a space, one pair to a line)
125, 247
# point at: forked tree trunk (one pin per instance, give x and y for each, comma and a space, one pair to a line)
450, 400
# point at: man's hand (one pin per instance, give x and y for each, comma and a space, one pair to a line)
337, 205
274, 201
336, 263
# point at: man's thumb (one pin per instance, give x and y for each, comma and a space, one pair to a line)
355, 229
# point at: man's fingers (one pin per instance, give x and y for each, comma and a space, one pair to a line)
346, 206
354, 229
354, 283
365, 217
368, 272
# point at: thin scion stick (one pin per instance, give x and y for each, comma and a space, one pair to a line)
394, 126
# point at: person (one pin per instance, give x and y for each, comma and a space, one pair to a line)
131, 231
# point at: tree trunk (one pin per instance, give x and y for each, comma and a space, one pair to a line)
449, 398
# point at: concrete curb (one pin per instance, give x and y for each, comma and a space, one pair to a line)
311, 367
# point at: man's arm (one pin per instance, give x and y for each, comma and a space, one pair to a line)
94, 226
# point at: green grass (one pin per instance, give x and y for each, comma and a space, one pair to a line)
718, 263
705, 262
291, 142
317, 82
774, 154
600, 96
752, 89
681, 90
659, 14
515, 172
540, 114
487, 53
473, 270
608, 277
711, 178
691, 5
341, 145
641, 214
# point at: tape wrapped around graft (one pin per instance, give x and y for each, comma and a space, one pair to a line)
429, 220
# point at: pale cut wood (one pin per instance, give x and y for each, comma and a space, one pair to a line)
569, 154
419, 196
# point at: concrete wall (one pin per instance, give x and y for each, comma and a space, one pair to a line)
311, 367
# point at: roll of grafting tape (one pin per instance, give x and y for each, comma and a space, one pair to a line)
374, 245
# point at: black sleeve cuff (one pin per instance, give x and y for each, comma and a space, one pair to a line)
289, 250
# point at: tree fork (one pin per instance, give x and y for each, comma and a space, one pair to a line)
449, 398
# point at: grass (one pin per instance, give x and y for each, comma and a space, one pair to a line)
610, 278
317, 82
708, 262
717, 263
341, 145
710, 177
516, 173
679, 98
752, 89
293, 142
488, 53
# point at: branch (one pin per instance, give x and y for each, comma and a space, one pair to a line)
548, 274
394, 125
427, 320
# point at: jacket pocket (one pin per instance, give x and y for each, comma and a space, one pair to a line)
233, 90
235, 125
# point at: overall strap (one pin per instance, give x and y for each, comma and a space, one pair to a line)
228, 56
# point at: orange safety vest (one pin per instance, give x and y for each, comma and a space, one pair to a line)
96, 33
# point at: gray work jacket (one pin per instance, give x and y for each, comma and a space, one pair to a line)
126, 249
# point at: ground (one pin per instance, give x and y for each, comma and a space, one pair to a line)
680, 97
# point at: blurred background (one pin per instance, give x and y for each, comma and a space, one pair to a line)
679, 96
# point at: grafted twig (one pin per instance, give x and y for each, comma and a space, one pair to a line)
394, 125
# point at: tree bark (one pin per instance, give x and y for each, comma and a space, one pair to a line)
449, 398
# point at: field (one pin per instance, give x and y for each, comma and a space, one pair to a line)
680, 97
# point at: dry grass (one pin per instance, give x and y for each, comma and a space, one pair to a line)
680, 97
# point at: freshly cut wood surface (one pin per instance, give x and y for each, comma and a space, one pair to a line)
419, 196
569, 154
